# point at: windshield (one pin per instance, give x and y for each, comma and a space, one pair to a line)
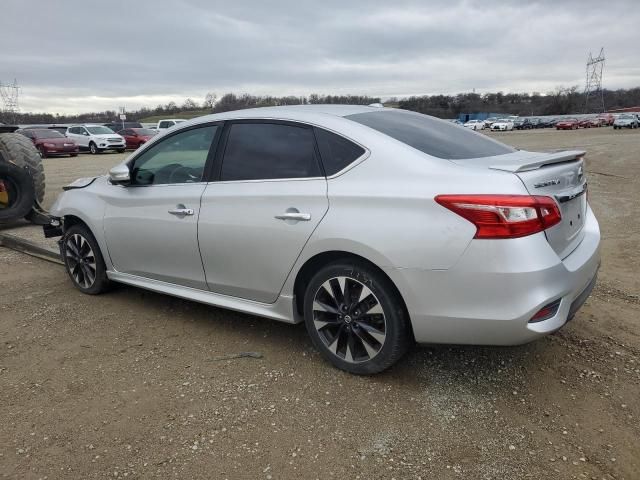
431, 135
144, 131
99, 130
47, 134
627, 116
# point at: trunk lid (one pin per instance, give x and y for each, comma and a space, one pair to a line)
555, 174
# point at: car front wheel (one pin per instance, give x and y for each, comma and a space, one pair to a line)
83, 260
93, 148
355, 318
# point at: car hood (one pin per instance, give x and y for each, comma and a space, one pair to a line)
107, 135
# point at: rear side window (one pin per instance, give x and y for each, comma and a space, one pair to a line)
264, 151
430, 135
337, 152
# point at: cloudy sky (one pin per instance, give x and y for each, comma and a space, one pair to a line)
76, 56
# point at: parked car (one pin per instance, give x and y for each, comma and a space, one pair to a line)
489, 121
293, 213
523, 124
547, 122
117, 126
475, 124
96, 138
134, 137
607, 119
589, 122
503, 124
567, 124
50, 142
168, 123
626, 120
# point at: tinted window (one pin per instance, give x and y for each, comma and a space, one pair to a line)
260, 151
431, 135
165, 124
179, 158
337, 152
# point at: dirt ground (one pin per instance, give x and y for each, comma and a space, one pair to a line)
135, 384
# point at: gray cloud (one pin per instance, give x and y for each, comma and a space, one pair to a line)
81, 55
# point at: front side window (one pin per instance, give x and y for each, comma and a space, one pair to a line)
164, 125
180, 158
337, 152
430, 135
265, 151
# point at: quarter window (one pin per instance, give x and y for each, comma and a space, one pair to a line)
337, 152
264, 151
180, 158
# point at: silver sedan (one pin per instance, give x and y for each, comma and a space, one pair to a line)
376, 227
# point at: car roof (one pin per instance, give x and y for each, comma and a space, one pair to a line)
293, 112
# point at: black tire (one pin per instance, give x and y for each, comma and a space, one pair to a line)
43, 153
85, 266
121, 150
73, 155
93, 148
20, 150
347, 328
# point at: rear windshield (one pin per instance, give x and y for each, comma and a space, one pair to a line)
431, 135
144, 131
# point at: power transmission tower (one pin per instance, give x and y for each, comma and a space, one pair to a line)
594, 96
9, 94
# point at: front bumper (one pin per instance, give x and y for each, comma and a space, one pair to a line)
61, 150
496, 287
111, 146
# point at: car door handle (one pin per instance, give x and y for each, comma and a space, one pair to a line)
181, 211
304, 217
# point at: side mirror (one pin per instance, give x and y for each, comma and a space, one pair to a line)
119, 175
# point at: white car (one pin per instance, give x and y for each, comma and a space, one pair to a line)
475, 124
96, 138
503, 124
168, 123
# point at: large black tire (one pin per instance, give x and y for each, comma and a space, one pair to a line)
345, 334
18, 149
83, 260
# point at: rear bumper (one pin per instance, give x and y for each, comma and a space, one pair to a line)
496, 287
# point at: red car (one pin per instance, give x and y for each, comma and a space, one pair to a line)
50, 142
607, 119
567, 124
134, 137
590, 122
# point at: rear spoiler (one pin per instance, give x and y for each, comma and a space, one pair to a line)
537, 160
521, 160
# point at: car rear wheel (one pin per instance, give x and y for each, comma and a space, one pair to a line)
355, 318
83, 260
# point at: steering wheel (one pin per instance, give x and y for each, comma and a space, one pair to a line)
182, 174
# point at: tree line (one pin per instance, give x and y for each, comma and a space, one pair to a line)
563, 100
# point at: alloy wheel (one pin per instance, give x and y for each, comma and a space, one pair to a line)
81, 260
349, 319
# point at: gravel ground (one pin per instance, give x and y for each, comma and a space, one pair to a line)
138, 385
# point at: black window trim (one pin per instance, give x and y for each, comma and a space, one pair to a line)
213, 148
216, 174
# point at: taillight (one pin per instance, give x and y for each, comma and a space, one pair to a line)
504, 216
